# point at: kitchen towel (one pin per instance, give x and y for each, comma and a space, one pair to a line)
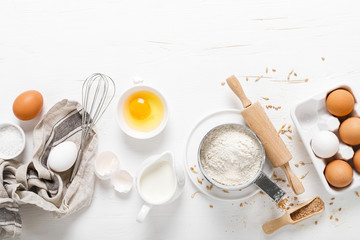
34, 183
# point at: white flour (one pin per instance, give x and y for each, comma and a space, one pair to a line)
230, 155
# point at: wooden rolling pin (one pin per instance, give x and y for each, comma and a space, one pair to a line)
276, 150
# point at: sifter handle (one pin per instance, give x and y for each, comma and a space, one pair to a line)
235, 86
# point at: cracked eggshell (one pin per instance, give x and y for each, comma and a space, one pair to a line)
105, 164
122, 181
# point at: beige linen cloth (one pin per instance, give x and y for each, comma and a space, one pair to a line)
34, 183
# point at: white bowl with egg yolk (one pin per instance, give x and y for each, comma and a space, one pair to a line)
146, 110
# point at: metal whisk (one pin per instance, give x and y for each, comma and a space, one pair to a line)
98, 91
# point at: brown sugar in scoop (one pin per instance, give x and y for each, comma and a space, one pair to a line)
296, 214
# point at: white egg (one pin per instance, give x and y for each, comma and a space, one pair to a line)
62, 156
325, 144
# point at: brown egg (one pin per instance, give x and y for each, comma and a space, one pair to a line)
338, 173
28, 105
356, 160
340, 102
349, 131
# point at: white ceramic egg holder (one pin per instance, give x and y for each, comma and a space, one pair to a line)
311, 116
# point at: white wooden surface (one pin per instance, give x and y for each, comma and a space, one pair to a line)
185, 49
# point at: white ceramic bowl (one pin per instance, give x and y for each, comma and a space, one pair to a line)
22, 145
120, 117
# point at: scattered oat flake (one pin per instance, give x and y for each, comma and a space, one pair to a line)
262, 193
247, 79
339, 209
211, 206
222, 83
316, 222
274, 175
295, 198
211, 186
199, 180
193, 170
274, 70
331, 217
295, 74
322, 58
266, 98
357, 193
267, 70
296, 165
331, 203
241, 204
225, 191
333, 198
336, 219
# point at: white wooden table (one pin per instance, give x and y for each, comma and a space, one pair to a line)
185, 49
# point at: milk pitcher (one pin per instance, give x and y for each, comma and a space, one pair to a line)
159, 181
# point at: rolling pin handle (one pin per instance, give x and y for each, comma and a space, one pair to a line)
294, 182
234, 84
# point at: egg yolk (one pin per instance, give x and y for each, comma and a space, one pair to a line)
139, 108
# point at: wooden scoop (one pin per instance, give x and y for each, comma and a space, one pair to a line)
276, 150
288, 218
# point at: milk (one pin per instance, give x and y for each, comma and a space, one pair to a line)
157, 182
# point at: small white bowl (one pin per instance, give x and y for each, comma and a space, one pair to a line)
22, 144
120, 117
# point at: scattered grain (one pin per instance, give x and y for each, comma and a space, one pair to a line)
336, 219
222, 83
339, 209
193, 170
316, 222
288, 136
199, 180
211, 206
331, 217
267, 70
193, 195
266, 98
274, 70
302, 177
296, 165
357, 193
331, 203
258, 78
322, 58
225, 191
332, 198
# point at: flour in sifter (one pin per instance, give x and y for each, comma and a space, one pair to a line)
231, 155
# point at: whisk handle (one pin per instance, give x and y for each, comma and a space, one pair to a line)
77, 164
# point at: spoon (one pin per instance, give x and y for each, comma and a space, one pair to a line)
290, 218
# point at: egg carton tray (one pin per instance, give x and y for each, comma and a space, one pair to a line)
310, 116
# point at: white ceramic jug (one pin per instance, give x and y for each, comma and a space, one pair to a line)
159, 181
